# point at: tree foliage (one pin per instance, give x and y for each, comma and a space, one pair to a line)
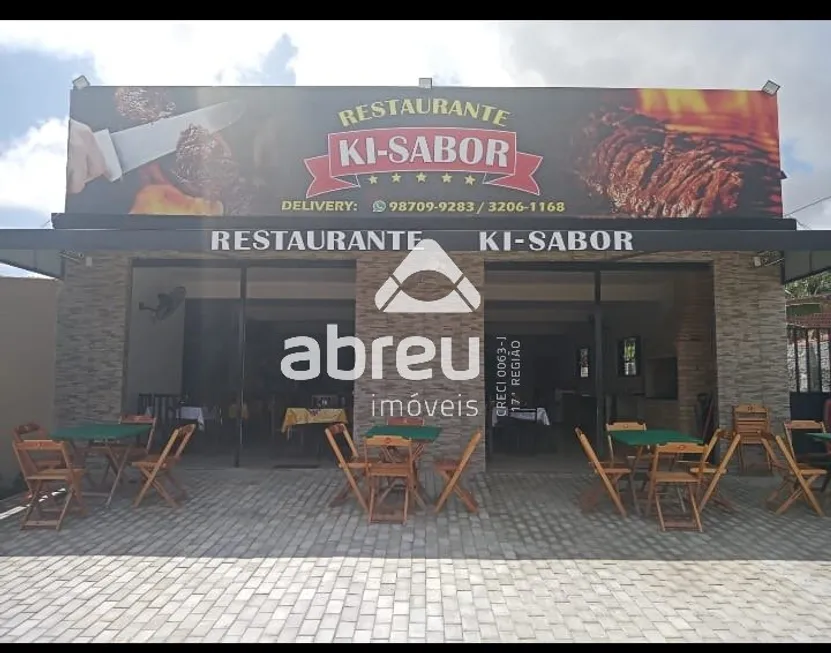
816, 284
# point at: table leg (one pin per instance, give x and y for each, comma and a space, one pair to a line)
120, 464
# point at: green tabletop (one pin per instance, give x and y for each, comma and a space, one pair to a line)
421, 433
89, 432
651, 437
820, 436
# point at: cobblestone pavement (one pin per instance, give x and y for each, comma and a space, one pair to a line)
259, 556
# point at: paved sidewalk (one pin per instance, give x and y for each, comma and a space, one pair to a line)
257, 556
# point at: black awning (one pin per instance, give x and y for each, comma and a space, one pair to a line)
801, 253
798, 264
469, 240
47, 262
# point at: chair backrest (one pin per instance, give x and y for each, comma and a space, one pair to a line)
405, 421
469, 449
176, 444
719, 434
26, 450
631, 425
751, 421
392, 447
626, 426
150, 420
332, 431
672, 450
30, 430
589, 450
801, 425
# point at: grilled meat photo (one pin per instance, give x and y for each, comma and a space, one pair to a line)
645, 169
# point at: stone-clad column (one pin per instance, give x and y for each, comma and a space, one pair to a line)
370, 323
91, 337
751, 337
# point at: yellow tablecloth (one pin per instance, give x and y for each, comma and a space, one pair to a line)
295, 416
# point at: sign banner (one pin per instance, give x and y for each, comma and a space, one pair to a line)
299, 151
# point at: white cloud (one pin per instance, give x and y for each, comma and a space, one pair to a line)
658, 53
33, 169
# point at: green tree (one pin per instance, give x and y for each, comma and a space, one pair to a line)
816, 284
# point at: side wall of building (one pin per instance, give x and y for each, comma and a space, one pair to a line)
27, 352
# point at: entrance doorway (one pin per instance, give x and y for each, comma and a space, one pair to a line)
575, 345
223, 348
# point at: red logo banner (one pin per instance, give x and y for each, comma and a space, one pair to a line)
423, 149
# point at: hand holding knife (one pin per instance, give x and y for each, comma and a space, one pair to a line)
113, 154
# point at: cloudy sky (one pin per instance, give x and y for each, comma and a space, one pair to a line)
38, 60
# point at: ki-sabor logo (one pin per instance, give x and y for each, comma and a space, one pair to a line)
427, 257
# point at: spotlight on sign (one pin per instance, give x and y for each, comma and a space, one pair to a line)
425, 83
80, 83
771, 88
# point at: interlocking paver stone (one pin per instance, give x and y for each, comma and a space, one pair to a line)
259, 556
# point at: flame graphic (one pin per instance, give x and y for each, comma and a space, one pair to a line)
718, 113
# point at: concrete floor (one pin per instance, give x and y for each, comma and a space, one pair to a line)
257, 555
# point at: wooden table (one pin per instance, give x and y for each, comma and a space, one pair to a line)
420, 436
115, 441
640, 440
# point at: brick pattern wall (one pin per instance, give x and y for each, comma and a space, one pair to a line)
91, 336
751, 337
371, 272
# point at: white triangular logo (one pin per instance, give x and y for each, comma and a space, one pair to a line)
428, 257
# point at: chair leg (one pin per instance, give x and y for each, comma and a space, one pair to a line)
691, 490
406, 499
658, 510
149, 478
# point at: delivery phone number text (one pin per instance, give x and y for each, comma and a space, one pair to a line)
422, 206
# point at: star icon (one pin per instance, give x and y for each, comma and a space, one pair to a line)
396, 178
470, 180
446, 178
373, 179
421, 177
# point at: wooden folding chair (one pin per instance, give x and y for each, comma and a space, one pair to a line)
609, 474
624, 426
41, 459
405, 421
451, 473
714, 473
386, 472
671, 477
354, 468
751, 422
150, 421
797, 478
818, 459
47, 484
157, 469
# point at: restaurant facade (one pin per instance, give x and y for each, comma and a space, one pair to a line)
462, 255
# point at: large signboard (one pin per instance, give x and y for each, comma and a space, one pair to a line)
285, 151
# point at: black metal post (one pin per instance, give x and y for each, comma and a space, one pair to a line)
243, 301
600, 414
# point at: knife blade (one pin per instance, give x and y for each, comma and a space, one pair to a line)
131, 148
